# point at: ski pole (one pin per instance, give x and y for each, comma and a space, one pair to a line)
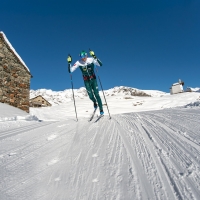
73, 97
94, 56
103, 93
69, 59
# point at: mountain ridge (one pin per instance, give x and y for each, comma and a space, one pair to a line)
59, 97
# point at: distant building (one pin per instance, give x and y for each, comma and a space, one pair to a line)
39, 101
177, 87
14, 76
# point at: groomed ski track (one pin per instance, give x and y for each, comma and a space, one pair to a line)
147, 155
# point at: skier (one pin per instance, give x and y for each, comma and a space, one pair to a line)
86, 65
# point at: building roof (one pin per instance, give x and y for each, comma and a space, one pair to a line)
39, 96
176, 84
14, 51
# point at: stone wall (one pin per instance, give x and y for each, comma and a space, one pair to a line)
14, 78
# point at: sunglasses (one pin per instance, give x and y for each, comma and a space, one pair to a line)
83, 55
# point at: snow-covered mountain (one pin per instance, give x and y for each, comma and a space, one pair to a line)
59, 97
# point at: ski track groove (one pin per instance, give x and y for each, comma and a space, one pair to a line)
146, 188
70, 178
180, 155
149, 155
181, 130
157, 162
33, 146
28, 158
23, 129
141, 151
180, 162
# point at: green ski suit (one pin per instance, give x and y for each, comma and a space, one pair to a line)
89, 77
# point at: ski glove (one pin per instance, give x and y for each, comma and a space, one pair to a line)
69, 59
92, 54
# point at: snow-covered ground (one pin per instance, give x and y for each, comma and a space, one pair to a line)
150, 149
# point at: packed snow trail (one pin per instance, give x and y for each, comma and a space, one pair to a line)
149, 155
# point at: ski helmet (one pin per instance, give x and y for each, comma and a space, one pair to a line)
83, 54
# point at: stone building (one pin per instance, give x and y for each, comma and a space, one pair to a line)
14, 76
39, 101
177, 87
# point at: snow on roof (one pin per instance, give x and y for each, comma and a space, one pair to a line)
176, 84
11, 47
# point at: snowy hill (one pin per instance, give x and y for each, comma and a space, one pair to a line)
148, 150
59, 97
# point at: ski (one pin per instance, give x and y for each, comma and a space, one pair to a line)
92, 115
98, 118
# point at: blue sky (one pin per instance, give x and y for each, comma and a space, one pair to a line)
143, 44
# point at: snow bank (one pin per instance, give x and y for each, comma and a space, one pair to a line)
10, 113
193, 104
17, 118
